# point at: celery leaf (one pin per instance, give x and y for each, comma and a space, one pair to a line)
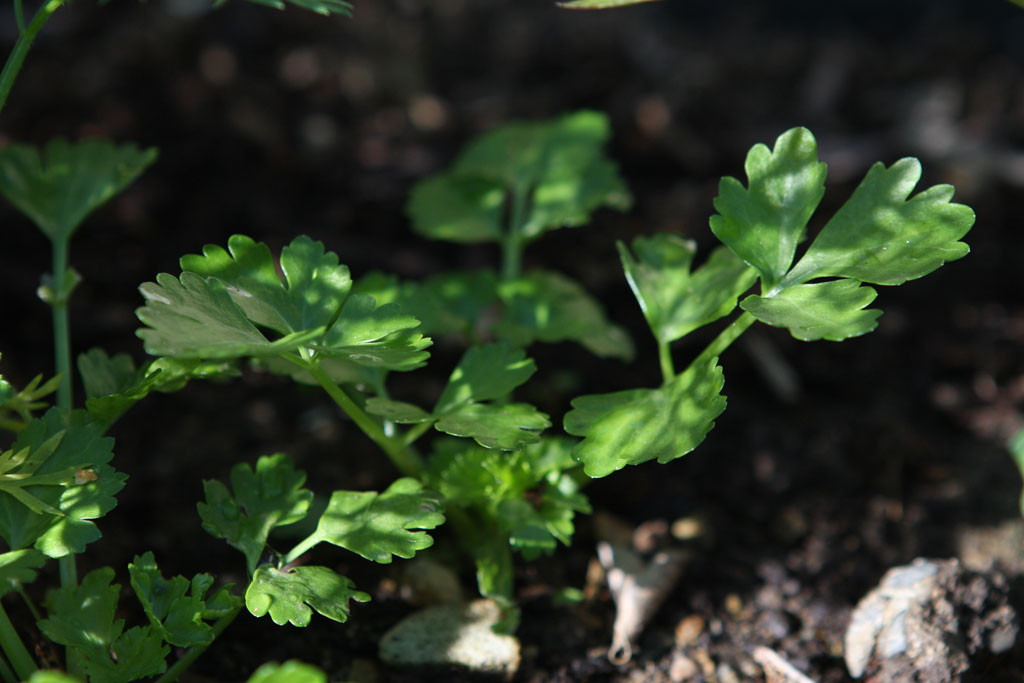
832, 310
291, 595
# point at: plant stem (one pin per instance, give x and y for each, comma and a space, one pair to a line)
726, 337
17, 57
15, 650
193, 652
6, 672
668, 371
415, 433
406, 461
512, 244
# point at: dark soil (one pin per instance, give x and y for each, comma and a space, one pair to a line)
278, 123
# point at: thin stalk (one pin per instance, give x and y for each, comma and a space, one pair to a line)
407, 462
668, 371
21, 46
19, 16
512, 244
193, 652
726, 337
6, 672
15, 650
415, 433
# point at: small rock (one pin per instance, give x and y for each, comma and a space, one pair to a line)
456, 634
682, 668
688, 630
909, 627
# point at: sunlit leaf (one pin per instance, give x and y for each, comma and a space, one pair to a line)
291, 595
832, 310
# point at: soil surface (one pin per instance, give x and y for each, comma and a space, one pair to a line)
279, 123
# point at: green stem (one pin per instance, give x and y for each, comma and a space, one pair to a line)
668, 371
17, 57
193, 652
406, 462
415, 433
726, 337
15, 650
512, 244
6, 672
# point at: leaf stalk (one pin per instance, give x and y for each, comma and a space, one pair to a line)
180, 666
15, 650
21, 46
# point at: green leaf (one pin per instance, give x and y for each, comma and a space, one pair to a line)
557, 168
508, 427
174, 613
193, 317
880, 236
269, 497
674, 301
23, 403
457, 208
830, 310
534, 527
113, 385
52, 676
324, 7
380, 525
292, 671
82, 617
54, 481
60, 187
763, 224
313, 289
637, 425
18, 567
485, 373
397, 411
288, 595
375, 336
1016, 446
465, 302
549, 307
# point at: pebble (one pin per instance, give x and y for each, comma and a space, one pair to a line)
682, 668
688, 630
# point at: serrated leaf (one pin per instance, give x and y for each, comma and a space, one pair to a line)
113, 384
292, 671
397, 411
176, 608
380, 525
830, 310
194, 317
556, 169
485, 373
49, 500
313, 289
764, 223
457, 208
549, 307
82, 617
291, 595
881, 237
673, 300
508, 426
375, 336
637, 425
269, 497
60, 187
18, 567
534, 527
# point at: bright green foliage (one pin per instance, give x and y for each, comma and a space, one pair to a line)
52, 676
634, 426
380, 525
269, 497
23, 403
19, 567
484, 373
82, 617
53, 481
832, 310
549, 307
556, 169
113, 385
674, 300
764, 223
527, 494
176, 614
291, 595
878, 236
222, 298
292, 671
58, 188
